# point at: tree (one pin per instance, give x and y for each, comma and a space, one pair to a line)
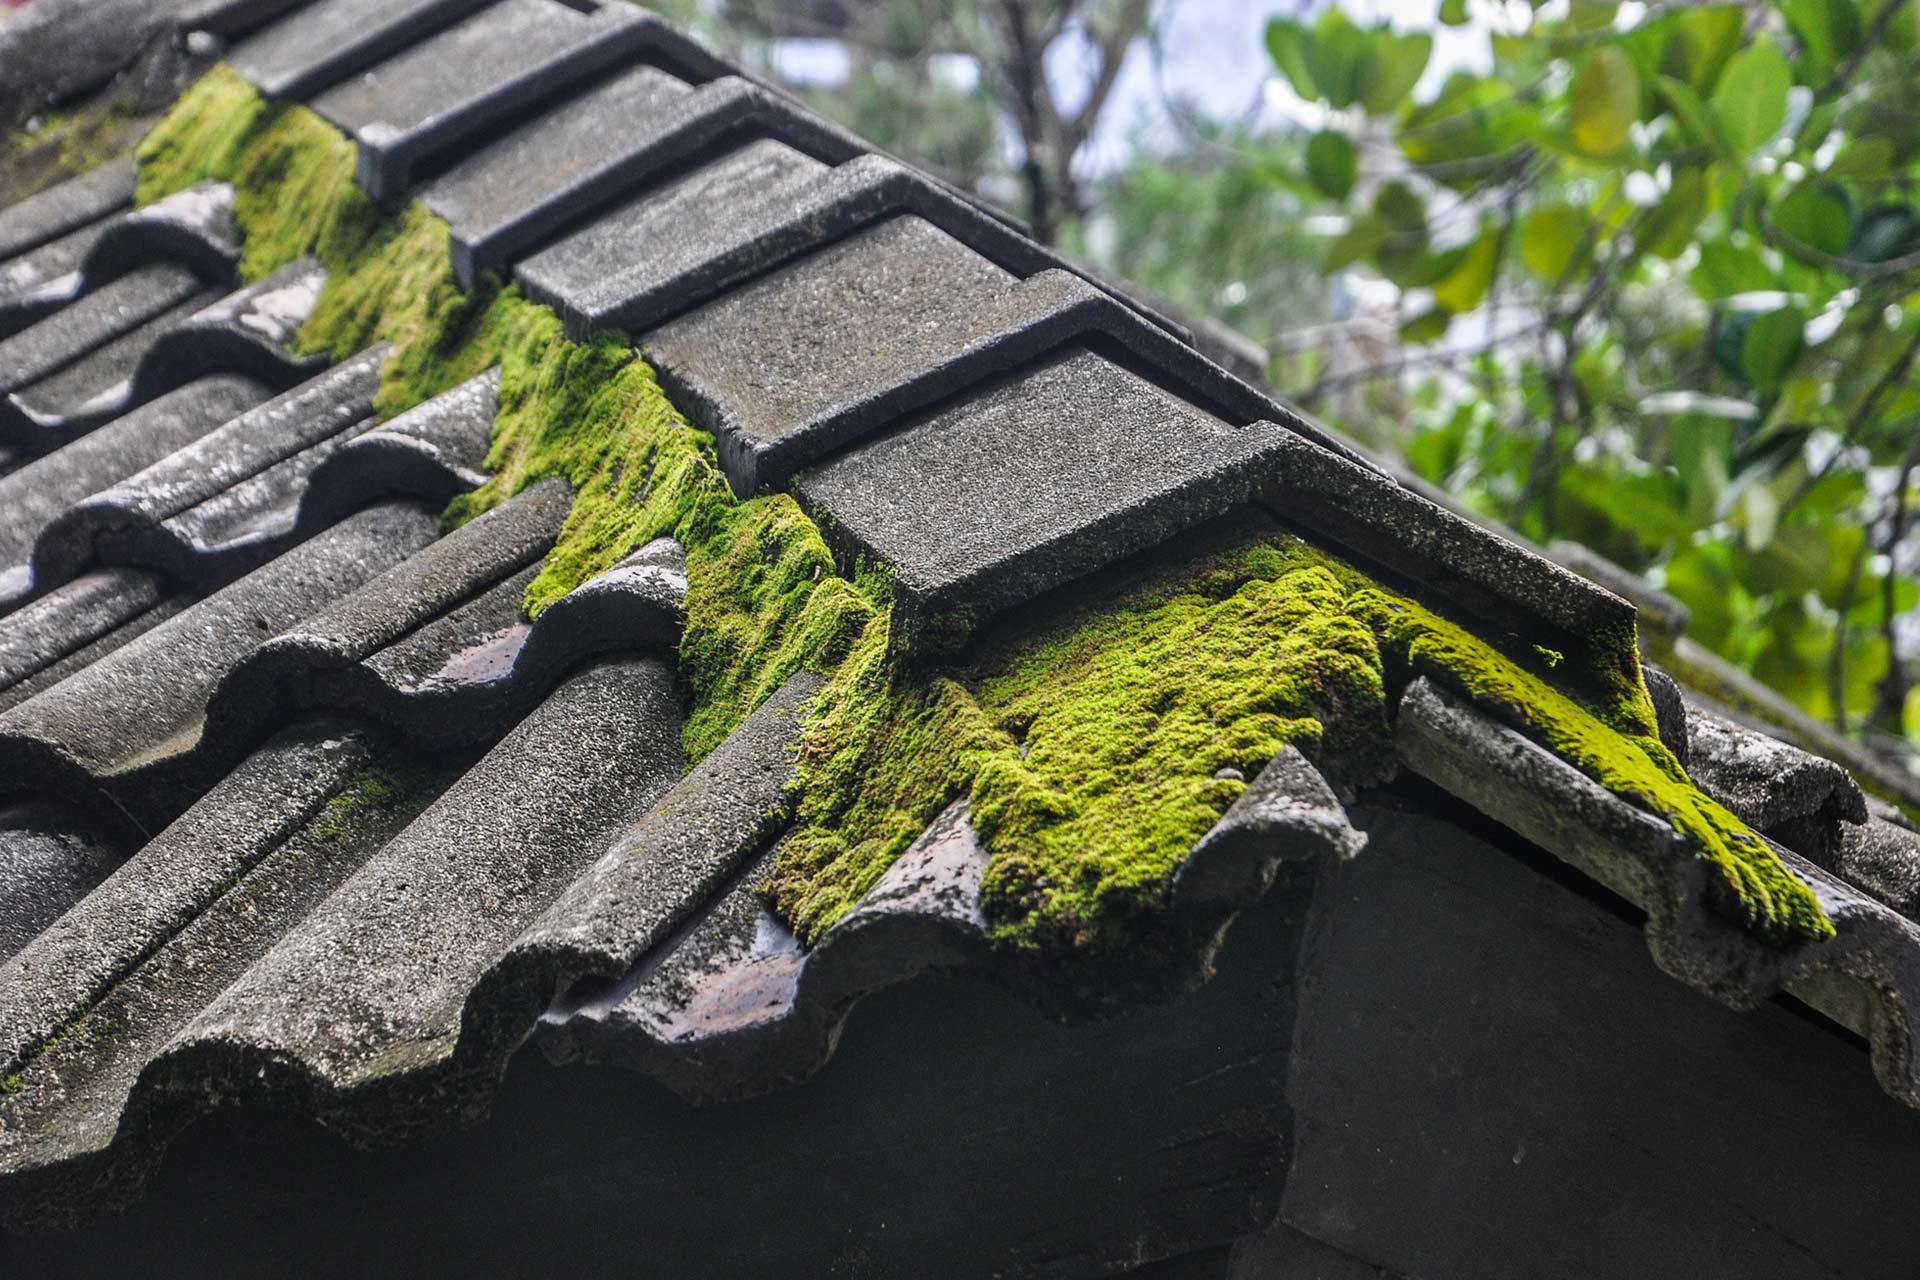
1659, 292
1013, 48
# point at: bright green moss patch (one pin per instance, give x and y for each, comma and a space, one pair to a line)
763, 598
388, 274
1094, 750
1759, 890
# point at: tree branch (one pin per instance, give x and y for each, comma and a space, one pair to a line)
1113, 47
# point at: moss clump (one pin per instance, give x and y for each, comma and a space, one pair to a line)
1093, 752
389, 277
763, 598
365, 793
1628, 760
12, 1084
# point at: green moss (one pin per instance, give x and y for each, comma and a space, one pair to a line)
763, 597
1091, 751
1755, 886
389, 277
12, 1084
365, 794
1094, 751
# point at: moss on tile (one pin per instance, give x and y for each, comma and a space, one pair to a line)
1094, 750
1629, 761
763, 598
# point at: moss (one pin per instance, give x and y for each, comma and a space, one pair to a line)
366, 793
763, 598
389, 277
12, 1084
1753, 884
1094, 751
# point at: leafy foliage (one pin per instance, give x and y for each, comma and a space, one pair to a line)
1664, 262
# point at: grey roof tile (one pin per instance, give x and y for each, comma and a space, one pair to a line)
508, 198
67, 207
1799, 799
799, 362
655, 257
657, 874
802, 362
249, 331
48, 861
471, 77
322, 44
37, 493
121, 517
72, 617
39, 282
1288, 813
96, 1084
438, 647
431, 452
376, 982
122, 626
130, 725
993, 500
736, 1006
629, 258
172, 878
1864, 978
95, 320
193, 228
90, 391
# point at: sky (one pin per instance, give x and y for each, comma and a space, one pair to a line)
1214, 57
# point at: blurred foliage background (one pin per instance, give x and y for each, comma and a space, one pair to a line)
1636, 275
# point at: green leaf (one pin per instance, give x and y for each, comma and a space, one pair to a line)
1699, 122
1332, 163
1464, 286
1606, 101
1668, 227
1453, 12
1865, 158
1338, 55
1428, 326
1361, 240
1287, 43
1817, 214
1828, 31
1726, 269
1394, 65
1772, 343
1401, 208
1751, 102
1549, 237
1699, 45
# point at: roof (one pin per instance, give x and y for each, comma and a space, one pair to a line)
301, 805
